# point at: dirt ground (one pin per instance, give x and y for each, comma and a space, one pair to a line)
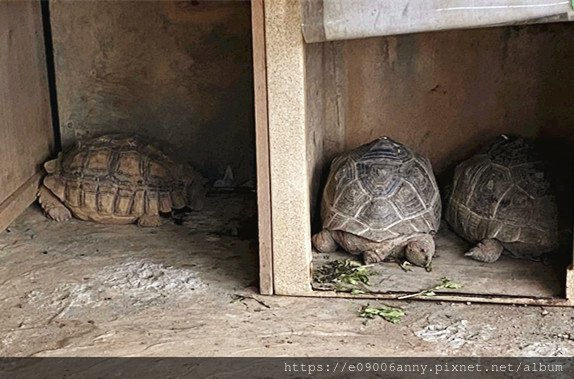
187, 288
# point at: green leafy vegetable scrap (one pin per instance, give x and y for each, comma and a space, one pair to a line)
390, 314
346, 276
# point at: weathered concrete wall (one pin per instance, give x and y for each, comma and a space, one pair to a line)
179, 71
446, 94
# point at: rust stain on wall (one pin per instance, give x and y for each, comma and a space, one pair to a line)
178, 71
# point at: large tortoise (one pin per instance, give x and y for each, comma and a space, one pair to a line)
118, 179
502, 199
381, 200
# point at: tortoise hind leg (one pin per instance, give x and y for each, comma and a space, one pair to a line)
149, 220
487, 250
323, 242
52, 206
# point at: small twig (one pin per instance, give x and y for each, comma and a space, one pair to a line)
444, 284
404, 265
241, 298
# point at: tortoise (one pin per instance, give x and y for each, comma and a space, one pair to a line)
502, 199
381, 200
118, 179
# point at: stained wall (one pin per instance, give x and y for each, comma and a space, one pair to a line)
178, 71
446, 94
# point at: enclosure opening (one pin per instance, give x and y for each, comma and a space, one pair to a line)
179, 73
446, 95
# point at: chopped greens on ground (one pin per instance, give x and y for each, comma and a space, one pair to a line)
345, 275
390, 314
444, 284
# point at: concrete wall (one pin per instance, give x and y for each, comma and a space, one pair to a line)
179, 71
446, 94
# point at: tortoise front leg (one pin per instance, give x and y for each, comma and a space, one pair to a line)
52, 206
150, 217
377, 255
373, 252
149, 220
487, 250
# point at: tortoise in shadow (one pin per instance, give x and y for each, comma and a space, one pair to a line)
502, 200
118, 179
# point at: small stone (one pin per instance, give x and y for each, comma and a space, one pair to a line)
468, 303
146, 274
544, 312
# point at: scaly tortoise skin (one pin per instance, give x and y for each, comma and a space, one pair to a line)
118, 179
502, 199
381, 200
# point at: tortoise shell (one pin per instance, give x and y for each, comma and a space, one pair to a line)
381, 190
118, 178
505, 194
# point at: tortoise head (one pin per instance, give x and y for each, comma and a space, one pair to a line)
420, 251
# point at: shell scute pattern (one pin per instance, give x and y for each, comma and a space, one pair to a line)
117, 178
378, 179
371, 214
490, 181
418, 178
128, 167
407, 201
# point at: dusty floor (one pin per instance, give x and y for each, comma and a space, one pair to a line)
82, 289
